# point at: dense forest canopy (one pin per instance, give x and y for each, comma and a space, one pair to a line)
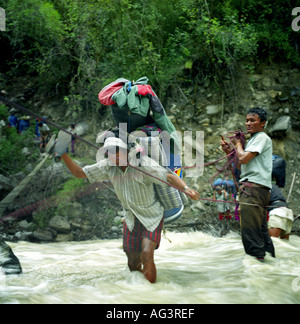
73, 48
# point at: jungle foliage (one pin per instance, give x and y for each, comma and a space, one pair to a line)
75, 47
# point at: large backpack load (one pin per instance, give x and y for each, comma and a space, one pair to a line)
137, 105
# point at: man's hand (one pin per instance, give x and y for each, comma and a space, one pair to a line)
193, 193
180, 184
235, 141
225, 146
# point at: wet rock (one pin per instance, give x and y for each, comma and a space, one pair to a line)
24, 224
60, 224
5, 183
71, 210
64, 237
44, 236
8, 261
23, 236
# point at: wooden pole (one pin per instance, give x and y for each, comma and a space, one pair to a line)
291, 188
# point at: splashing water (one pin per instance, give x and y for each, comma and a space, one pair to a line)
193, 268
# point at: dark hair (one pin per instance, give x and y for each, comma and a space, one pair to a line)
113, 151
261, 113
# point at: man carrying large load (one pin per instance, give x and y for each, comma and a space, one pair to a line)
140, 182
134, 187
135, 104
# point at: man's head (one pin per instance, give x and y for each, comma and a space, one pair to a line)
219, 190
256, 120
116, 151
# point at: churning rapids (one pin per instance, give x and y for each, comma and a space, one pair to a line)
193, 268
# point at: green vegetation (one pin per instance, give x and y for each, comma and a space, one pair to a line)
74, 48
71, 187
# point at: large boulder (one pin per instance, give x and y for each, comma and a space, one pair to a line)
213, 110
60, 224
8, 261
281, 126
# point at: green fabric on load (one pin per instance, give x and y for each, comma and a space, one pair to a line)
133, 103
136, 103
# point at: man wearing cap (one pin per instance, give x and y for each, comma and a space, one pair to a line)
144, 213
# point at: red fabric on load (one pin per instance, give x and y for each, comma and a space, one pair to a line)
106, 93
145, 89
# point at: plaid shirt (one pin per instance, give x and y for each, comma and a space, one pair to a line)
134, 189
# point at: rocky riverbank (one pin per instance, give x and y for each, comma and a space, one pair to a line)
84, 212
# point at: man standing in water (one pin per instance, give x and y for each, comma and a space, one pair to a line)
256, 174
144, 213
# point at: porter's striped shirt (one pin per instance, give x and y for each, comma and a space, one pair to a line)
134, 189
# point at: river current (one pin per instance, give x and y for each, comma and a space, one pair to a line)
192, 268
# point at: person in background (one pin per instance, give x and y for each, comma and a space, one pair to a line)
255, 162
280, 215
45, 135
37, 131
223, 208
12, 119
24, 123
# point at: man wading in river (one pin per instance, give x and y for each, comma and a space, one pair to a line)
144, 213
256, 175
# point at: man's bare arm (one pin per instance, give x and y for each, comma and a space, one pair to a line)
75, 169
180, 184
244, 157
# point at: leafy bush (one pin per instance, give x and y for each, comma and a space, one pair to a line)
11, 144
77, 47
3, 111
36, 35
